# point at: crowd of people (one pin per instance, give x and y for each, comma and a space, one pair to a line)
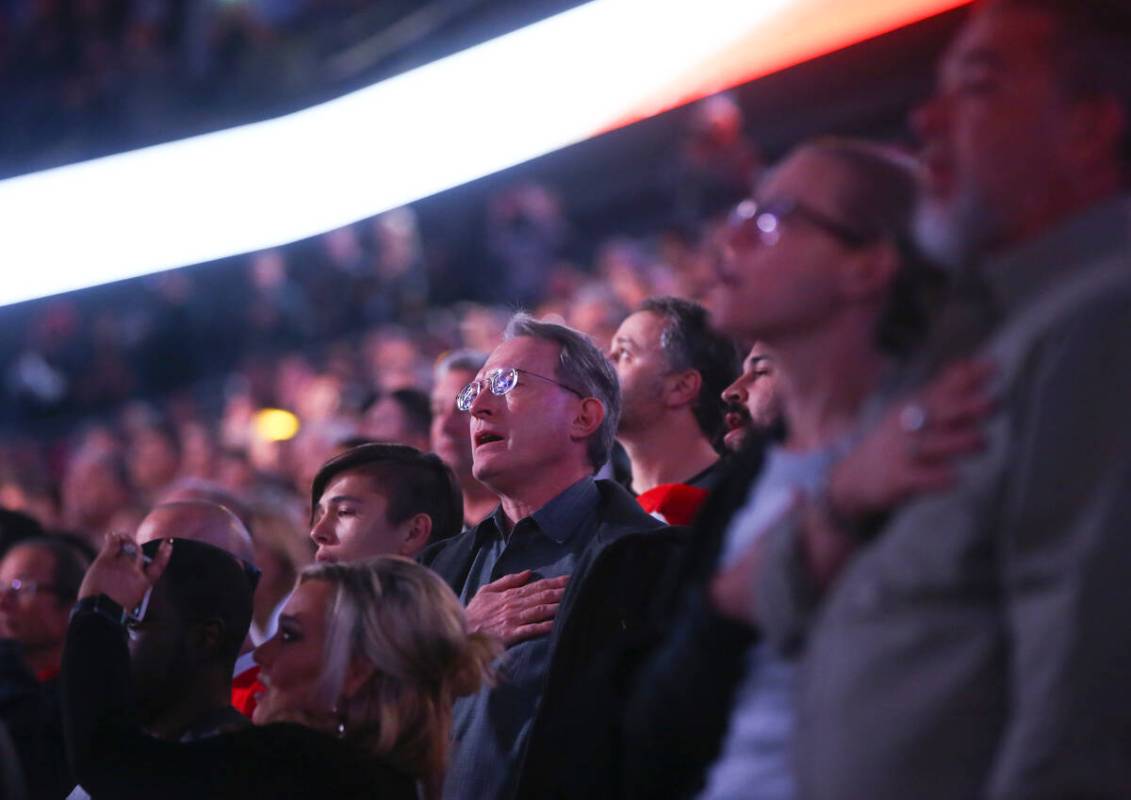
80, 78
831, 509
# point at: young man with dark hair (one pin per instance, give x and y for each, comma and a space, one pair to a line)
377, 499
672, 369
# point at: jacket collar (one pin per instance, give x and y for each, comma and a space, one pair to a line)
1019, 276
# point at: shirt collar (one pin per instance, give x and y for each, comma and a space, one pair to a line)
561, 518
1023, 273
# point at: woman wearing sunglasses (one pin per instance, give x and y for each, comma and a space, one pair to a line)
359, 678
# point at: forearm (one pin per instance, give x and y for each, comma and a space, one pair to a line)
97, 704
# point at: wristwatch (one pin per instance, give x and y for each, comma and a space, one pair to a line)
103, 606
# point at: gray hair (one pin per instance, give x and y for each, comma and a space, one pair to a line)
583, 367
465, 360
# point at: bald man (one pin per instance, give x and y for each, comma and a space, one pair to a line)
184, 648
186, 636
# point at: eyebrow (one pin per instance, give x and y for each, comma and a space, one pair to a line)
290, 618
622, 340
344, 498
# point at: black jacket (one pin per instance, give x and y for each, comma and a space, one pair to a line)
112, 757
30, 711
608, 604
680, 702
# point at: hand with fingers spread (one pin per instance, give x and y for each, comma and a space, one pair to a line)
515, 609
121, 573
915, 447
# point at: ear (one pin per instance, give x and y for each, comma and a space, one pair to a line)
359, 672
415, 532
205, 637
868, 273
682, 388
1098, 125
589, 417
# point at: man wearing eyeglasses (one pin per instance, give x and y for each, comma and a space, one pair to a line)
39, 580
562, 571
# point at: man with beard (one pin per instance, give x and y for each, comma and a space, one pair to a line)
752, 406
966, 649
672, 369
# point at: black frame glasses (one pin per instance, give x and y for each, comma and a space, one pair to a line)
760, 223
501, 381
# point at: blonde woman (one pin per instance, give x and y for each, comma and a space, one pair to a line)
360, 679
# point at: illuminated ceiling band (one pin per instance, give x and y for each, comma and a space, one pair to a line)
589, 70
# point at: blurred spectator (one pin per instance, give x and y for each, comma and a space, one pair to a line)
451, 431
831, 209
716, 164
596, 312
95, 487
403, 416
401, 280
282, 549
967, 640
526, 235
278, 315
14, 528
153, 457
39, 581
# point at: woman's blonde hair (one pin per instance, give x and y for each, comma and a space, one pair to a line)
409, 625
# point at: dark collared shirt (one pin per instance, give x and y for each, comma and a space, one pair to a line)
490, 728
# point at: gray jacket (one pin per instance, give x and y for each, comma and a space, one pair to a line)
977, 647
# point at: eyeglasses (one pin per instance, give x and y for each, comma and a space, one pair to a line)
22, 588
501, 381
753, 224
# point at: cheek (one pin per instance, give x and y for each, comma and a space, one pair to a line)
457, 426
346, 534
50, 620
294, 677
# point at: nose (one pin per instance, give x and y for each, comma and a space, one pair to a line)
262, 655
482, 402
323, 532
736, 392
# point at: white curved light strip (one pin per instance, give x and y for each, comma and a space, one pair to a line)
492, 106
